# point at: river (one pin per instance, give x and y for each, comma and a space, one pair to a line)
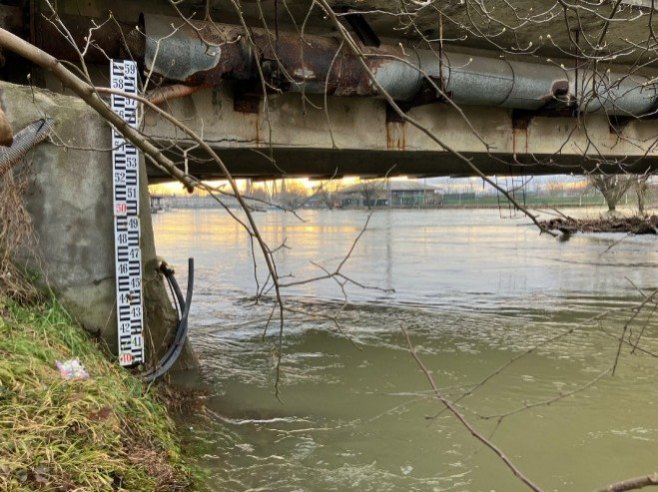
476, 293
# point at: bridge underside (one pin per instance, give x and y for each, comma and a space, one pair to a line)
295, 135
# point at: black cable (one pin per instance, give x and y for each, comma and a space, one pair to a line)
164, 269
174, 351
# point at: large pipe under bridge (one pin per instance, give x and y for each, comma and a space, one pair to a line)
516, 117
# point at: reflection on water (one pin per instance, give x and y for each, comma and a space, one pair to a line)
474, 292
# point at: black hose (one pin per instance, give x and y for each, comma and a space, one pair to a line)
173, 284
174, 351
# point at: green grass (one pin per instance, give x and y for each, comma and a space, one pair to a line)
103, 433
530, 201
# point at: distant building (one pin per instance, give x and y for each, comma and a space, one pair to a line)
394, 194
156, 204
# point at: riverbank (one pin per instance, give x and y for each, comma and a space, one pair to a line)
104, 432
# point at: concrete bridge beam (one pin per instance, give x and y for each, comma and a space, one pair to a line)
299, 135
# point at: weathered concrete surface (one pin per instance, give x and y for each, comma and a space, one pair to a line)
354, 136
70, 202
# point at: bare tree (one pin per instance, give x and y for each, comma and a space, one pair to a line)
369, 190
327, 193
292, 196
613, 187
641, 188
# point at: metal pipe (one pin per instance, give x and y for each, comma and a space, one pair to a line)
616, 94
25, 140
202, 53
477, 80
109, 38
206, 53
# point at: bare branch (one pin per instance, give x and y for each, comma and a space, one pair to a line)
453, 409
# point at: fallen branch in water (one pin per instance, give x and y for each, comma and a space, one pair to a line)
632, 225
633, 483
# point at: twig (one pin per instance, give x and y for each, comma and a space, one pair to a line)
474, 432
549, 401
638, 309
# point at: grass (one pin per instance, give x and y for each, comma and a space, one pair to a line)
531, 201
107, 432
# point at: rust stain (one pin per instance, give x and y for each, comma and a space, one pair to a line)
514, 130
389, 143
396, 136
518, 132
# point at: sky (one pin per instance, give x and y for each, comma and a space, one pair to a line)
446, 184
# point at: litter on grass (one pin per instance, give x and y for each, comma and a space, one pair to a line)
72, 369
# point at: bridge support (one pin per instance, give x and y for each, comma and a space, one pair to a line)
69, 198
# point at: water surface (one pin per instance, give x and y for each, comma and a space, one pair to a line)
474, 292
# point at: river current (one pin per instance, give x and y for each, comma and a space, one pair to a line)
519, 328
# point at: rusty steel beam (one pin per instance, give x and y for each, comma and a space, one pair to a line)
206, 53
109, 38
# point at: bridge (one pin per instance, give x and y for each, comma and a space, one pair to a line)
289, 89
321, 88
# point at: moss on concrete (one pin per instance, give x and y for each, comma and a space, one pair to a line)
106, 432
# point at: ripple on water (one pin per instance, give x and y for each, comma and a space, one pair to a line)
474, 294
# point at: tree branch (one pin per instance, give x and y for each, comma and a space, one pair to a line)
474, 432
88, 94
632, 483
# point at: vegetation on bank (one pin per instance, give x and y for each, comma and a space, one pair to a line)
106, 432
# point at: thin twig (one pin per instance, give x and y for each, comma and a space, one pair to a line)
474, 432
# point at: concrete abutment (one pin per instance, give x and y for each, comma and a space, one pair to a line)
69, 199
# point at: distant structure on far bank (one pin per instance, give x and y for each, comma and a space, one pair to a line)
390, 193
557, 191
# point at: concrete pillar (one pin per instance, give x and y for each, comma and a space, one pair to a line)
69, 199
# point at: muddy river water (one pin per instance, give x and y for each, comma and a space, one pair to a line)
476, 293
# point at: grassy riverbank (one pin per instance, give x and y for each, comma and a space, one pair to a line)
101, 433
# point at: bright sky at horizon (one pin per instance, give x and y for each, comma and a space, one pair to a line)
446, 183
